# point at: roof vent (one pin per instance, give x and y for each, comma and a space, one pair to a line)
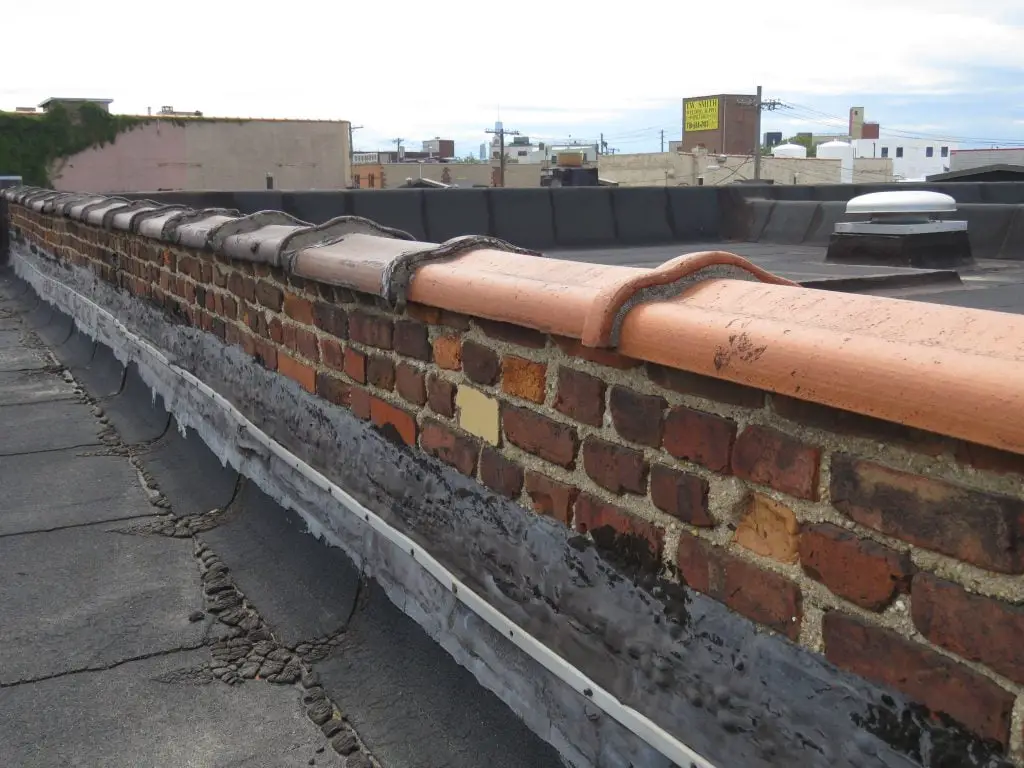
902, 230
900, 213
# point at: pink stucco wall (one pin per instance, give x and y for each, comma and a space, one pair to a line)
148, 158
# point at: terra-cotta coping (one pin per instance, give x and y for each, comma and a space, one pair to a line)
949, 370
953, 371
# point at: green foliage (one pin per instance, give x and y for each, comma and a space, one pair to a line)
804, 140
31, 144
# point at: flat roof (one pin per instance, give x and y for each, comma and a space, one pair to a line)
75, 98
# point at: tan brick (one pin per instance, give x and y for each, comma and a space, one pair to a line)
769, 529
523, 378
478, 414
448, 352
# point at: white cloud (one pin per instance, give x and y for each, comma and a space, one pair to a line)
313, 58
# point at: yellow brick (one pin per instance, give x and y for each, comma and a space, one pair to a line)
769, 529
478, 414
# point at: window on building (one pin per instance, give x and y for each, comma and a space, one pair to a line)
521, 153
885, 151
369, 180
929, 151
899, 151
944, 151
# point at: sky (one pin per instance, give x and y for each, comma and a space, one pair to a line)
555, 71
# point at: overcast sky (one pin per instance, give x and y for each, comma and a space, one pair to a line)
551, 70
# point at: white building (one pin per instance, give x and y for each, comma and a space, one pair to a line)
912, 159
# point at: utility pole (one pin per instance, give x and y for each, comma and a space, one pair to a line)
763, 106
757, 139
398, 148
500, 131
663, 141
351, 146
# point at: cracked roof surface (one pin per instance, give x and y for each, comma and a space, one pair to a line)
125, 638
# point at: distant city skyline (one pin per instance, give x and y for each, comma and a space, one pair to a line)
948, 68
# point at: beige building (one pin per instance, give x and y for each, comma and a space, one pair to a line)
692, 169
459, 174
170, 153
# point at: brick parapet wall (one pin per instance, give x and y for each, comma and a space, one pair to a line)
896, 553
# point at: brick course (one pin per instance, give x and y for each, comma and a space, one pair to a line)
303, 330
939, 683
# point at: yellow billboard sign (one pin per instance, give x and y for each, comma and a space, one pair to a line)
700, 115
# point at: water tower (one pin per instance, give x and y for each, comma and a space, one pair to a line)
839, 150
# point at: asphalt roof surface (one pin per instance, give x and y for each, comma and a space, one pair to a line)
989, 284
115, 643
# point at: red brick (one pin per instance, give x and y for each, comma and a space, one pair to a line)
298, 308
637, 417
480, 363
450, 447
269, 295
248, 289
614, 467
540, 435
580, 396
707, 387
760, 595
380, 372
924, 675
355, 364
638, 543
330, 318
847, 423
702, 438
359, 402
551, 497
574, 348
384, 414
333, 354
448, 352
410, 382
974, 526
333, 389
975, 627
441, 395
276, 329
220, 276
410, 339
681, 495
863, 571
500, 474
266, 353
524, 378
423, 313
297, 371
307, 344
769, 457
513, 334
372, 330
230, 308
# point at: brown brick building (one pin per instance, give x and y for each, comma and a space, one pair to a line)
722, 124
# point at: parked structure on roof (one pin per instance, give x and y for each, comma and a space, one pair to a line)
72, 103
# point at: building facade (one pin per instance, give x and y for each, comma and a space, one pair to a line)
912, 159
681, 169
966, 159
723, 124
198, 154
